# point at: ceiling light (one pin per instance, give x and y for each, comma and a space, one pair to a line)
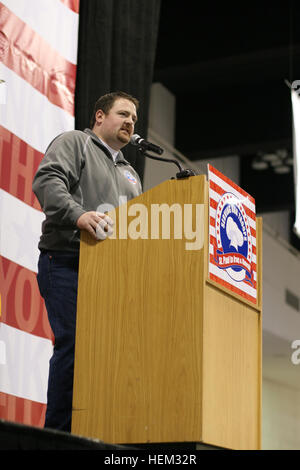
289, 161
282, 153
276, 163
282, 169
258, 164
270, 157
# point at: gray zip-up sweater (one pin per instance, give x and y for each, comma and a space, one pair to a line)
76, 175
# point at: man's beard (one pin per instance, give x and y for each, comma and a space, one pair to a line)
124, 136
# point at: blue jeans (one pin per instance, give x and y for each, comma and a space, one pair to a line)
58, 279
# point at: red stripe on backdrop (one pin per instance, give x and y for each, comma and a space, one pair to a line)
33, 59
72, 4
22, 306
18, 165
213, 203
20, 410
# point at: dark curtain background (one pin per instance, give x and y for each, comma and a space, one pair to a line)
116, 51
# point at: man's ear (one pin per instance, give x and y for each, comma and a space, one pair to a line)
99, 116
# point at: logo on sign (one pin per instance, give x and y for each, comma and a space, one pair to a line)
233, 252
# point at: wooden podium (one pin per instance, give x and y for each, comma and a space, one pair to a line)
164, 354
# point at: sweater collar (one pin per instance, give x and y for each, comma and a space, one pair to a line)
120, 157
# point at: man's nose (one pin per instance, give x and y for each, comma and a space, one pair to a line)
129, 120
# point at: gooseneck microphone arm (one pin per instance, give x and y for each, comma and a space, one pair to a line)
143, 146
183, 173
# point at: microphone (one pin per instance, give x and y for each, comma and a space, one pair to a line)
145, 145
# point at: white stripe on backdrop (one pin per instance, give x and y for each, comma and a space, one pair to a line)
52, 20
28, 114
23, 367
20, 231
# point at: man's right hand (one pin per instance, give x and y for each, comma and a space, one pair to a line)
98, 224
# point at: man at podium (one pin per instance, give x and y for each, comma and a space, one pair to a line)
80, 171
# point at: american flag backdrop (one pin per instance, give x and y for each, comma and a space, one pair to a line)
38, 60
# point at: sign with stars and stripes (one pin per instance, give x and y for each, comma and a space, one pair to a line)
38, 63
232, 236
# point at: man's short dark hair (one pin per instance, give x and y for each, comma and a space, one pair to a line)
107, 101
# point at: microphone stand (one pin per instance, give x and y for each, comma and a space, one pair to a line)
183, 173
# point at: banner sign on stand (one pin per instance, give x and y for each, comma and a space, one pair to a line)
38, 51
232, 236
